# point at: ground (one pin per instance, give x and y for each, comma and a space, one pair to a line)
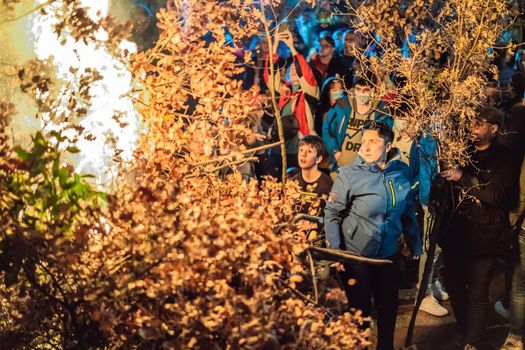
432, 333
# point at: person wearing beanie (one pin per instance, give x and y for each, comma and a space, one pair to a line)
479, 228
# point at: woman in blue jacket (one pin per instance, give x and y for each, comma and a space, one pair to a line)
370, 206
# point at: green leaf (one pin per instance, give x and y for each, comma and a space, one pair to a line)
63, 176
39, 139
56, 164
68, 232
36, 169
73, 149
80, 190
57, 135
40, 146
102, 195
21, 153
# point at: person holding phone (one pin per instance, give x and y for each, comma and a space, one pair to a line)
298, 95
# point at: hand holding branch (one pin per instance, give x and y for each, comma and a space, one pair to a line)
452, 174
338, 266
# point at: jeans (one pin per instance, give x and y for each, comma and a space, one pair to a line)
517, 297
381, 282
434, 272
467, 279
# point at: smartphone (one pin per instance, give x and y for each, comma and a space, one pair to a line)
283, 27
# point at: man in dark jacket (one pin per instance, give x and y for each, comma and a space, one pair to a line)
480, 227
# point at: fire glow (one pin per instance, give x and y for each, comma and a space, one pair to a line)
95, 156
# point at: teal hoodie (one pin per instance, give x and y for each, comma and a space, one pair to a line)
370, 208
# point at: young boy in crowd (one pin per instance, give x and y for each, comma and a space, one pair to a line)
313, 182
315, 188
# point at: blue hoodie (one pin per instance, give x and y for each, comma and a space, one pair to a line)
369, 209
424, 166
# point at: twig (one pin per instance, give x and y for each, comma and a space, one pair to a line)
36, 8
232, 163
305, 297
314, 281
251, 150
272, 92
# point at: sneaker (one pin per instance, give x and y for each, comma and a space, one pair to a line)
512, 343
500, 309
431, 306
439, 292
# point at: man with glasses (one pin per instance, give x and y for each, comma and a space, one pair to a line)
479, 230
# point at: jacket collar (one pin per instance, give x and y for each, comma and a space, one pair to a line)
393, 156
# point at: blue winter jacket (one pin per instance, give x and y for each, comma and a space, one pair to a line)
336, 123
423, 164
369, 209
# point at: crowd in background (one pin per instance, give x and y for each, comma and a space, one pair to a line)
342, 143
343, 146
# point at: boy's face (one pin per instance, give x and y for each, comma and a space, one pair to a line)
308, 157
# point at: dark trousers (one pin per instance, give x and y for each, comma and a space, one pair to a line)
381, 282
467, 280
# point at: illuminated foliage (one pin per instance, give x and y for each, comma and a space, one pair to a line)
176, 257
447, 65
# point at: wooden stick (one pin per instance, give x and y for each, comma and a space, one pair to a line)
273, 93
337, 254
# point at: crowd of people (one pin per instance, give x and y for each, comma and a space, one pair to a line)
341, 146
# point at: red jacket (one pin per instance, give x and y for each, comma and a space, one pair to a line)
303, 99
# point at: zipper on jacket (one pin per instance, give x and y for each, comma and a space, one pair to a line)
352, 115
391, 185
341, 126
386, 213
